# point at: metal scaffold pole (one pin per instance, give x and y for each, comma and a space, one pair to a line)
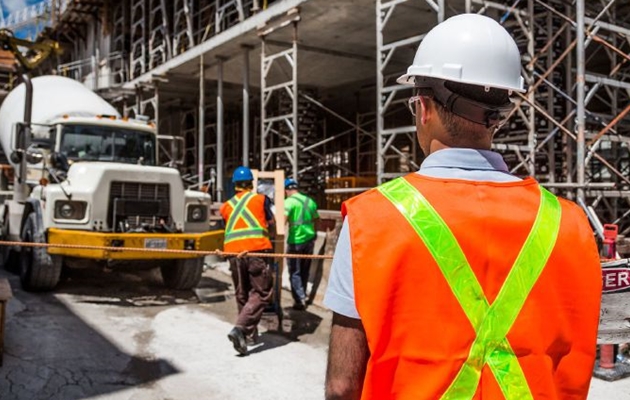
220, 133
246, 50
580, 92
393, 141
294, 66
279, 99
201, 122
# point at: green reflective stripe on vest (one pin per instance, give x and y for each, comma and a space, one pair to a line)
253, 229
236, 212
490, 322
505, 309
301, 218
245, 234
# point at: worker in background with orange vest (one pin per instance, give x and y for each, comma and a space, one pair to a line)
249, 224
301, 212
462, 281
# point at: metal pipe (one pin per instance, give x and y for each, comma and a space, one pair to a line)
580, 81
220, 133
263, 112
246, 50
20, 191
380, 162
295, 102
202, 122
550, 147
531, 134
95, 55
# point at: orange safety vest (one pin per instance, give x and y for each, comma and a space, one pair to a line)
246, 223
423, 337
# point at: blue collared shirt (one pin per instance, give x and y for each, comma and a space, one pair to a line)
466, 164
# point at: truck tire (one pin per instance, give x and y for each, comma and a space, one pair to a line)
182, 274
39, 271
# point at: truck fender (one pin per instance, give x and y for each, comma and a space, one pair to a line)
33, 206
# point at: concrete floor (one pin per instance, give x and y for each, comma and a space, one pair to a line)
120, 335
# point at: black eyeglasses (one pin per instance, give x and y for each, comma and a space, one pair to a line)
411, 103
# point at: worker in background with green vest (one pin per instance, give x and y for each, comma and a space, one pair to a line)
301, 212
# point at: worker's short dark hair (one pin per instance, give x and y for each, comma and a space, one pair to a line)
244, 185
480, 94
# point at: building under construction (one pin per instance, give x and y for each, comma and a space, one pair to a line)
308, 86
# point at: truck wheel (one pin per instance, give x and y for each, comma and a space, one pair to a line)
182, 274
39, 271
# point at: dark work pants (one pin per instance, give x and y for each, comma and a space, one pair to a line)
253, 283
299, 269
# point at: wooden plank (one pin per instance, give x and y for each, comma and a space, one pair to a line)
5, 295
5, 290
614, 324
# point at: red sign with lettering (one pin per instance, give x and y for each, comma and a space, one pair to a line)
615, 279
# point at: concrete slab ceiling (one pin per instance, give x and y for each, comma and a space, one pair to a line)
336, 39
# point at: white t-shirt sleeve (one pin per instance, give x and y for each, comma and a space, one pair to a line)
339, 295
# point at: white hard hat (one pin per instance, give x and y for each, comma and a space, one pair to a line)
471, 49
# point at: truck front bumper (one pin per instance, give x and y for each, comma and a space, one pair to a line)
205, 241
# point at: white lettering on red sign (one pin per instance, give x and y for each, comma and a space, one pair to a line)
615, 279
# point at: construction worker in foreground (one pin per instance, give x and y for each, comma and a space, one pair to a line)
248, 224
301, 212
462, 281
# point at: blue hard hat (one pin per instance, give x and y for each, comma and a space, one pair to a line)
290, 183
242, 174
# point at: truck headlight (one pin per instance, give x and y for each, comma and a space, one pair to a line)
65, 209
197, 213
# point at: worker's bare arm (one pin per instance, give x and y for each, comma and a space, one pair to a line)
347, 357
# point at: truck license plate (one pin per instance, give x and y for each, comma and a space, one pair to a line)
154, 243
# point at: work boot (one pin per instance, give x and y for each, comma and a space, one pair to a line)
252, 339
299, 305
237, 338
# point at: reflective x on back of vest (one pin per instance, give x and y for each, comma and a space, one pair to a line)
252, 230
301, 219
491, 322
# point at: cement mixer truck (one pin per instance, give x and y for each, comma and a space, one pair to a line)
86, 176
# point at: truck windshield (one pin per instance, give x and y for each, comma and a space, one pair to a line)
104, 143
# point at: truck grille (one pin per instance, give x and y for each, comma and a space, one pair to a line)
134, 204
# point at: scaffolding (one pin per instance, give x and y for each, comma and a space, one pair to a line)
570, 130
279, 127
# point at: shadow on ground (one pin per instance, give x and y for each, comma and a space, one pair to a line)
51, 353
294, 325
129, 287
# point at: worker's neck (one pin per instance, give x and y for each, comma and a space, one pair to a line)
460, 144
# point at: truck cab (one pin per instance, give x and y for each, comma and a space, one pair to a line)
94, 180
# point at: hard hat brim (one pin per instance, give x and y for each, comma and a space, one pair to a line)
409, 79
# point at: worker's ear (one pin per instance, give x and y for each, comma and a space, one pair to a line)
424, 110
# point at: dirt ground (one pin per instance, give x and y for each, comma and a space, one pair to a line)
120, 335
